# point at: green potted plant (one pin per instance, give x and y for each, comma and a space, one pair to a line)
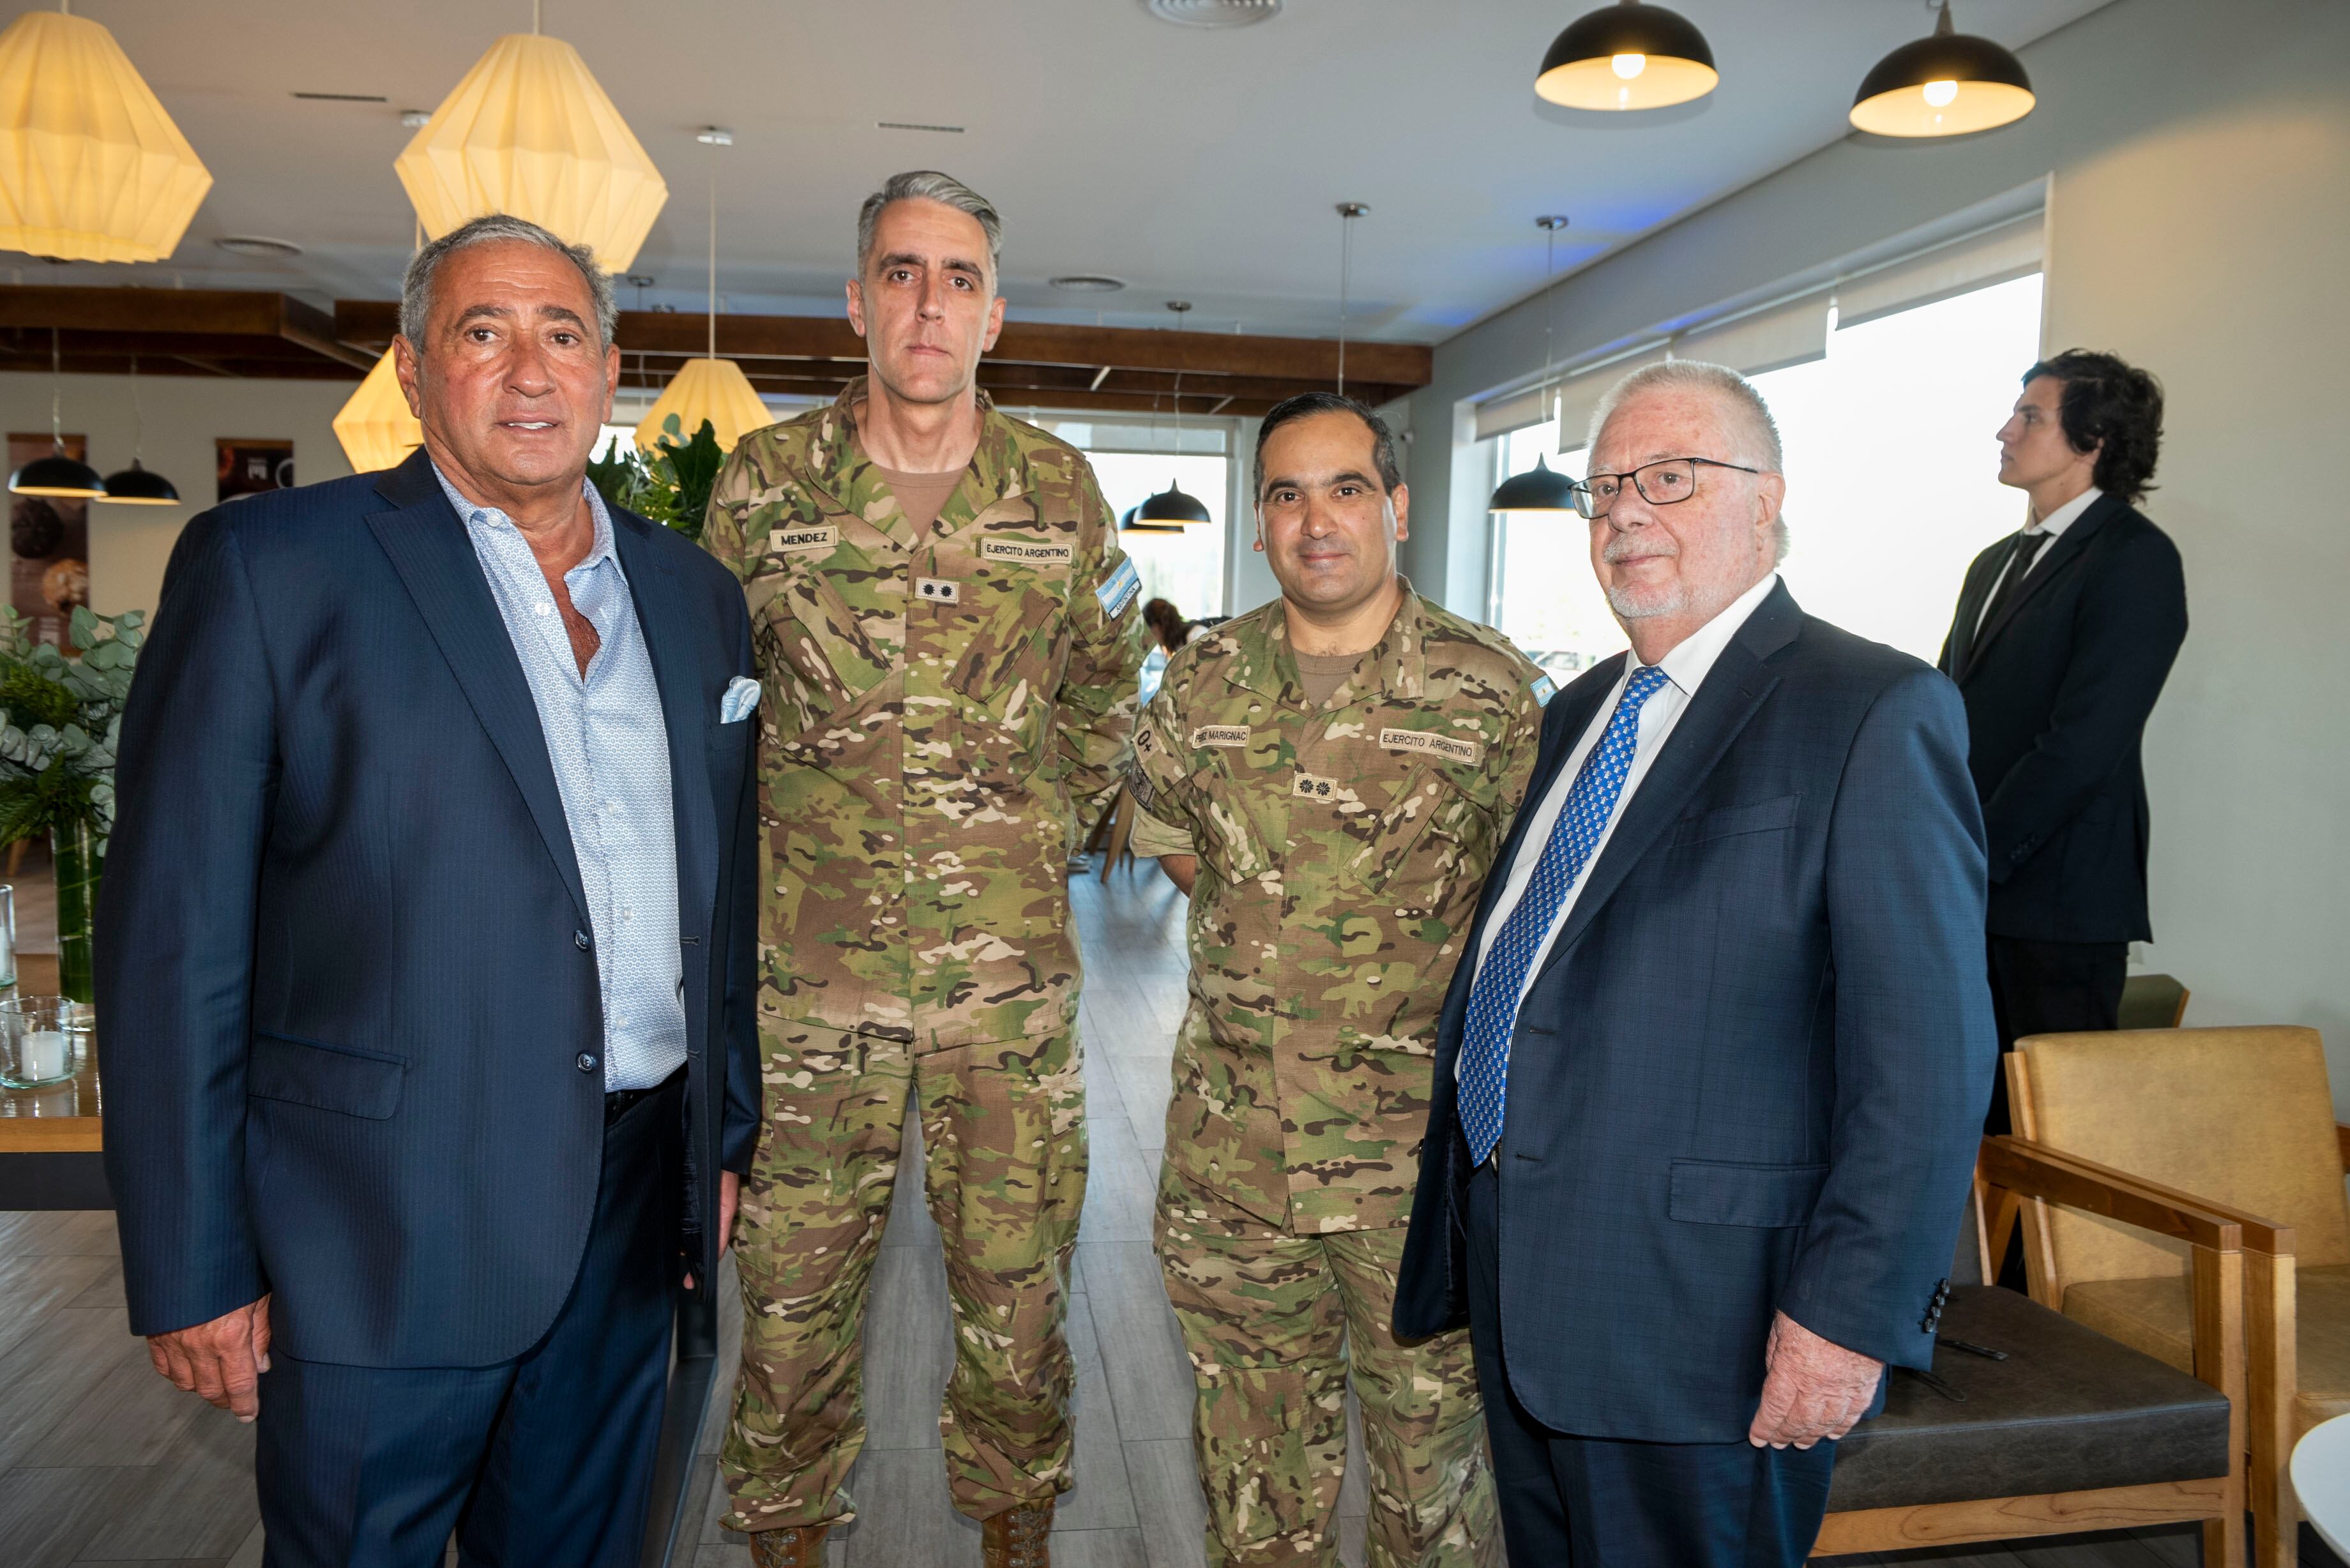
59, 721
671, 485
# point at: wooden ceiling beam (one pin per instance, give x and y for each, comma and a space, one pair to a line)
163, 316
1296, 362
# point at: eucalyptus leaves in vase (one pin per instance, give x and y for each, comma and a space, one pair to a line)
59, 721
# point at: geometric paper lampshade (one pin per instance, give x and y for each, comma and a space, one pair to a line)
375, 428
712, 389
91, 169
529, 133
1949, 84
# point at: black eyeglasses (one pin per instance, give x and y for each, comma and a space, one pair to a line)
1664, 484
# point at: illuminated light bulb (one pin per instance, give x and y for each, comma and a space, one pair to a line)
1628, 65
1941, 94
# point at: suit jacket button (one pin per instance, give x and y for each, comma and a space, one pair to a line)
586, 1061
579, 941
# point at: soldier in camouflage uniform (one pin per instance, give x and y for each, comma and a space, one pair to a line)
943, 693
1336, 770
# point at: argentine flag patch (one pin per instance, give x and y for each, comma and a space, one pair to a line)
1117, 589
1543, 689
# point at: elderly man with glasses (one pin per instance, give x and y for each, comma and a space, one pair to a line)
1710, 1071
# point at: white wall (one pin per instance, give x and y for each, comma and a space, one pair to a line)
129, 545
2199, 157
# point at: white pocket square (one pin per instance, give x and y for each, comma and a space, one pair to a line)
742, 697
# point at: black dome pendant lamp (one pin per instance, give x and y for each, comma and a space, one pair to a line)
1541, 488
134, 486
1951, 83
1627, 56
1170, 508
57, 474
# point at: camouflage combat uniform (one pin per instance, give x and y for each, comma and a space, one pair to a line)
1342, 848
936, 708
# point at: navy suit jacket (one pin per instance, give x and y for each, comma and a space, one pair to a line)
344, 957
1752, 1070
2058, 690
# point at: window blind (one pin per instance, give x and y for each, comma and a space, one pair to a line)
1994, 255
1795, 332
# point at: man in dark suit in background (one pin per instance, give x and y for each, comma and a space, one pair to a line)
424, 953
1710, 1072
2065, 634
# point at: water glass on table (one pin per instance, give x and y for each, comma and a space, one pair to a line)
38, 1038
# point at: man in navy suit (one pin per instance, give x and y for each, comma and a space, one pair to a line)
2065, 634
1712, 1068
425, 948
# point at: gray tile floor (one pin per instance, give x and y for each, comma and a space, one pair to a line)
102, 1461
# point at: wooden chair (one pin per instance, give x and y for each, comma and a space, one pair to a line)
2072, 1431
2153, 1001
2242, 1118
1111, 832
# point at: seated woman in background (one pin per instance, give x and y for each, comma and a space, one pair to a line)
1167, 624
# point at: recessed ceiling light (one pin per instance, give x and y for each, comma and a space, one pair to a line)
1213, 13
416, 119
258, 245
1089, 283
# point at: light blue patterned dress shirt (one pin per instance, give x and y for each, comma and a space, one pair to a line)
609, 740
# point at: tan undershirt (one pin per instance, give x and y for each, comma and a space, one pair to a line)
1322, 673
922, 496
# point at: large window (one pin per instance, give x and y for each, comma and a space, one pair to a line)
1186, 568
1543, 597
1892, 483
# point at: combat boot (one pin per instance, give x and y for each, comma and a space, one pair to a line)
795, 1546
1019, 1537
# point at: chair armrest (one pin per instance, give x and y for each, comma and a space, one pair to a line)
2032, 1170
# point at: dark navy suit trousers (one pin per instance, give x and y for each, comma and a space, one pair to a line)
540, 1461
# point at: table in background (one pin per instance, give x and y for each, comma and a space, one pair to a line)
49, 1138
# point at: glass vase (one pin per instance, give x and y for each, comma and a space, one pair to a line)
80, 859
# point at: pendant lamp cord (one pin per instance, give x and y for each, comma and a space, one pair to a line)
56, 394
713, 251
1346, 278
1550, 314
536, 17
138, 419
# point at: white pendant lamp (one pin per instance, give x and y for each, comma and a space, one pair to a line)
91, 169
375, 428
529, 133
708, 388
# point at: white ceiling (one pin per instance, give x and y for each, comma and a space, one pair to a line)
1196, 164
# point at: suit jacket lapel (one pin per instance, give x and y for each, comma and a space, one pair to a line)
1732, 689
429, 548
665, 618
1960, 644
2058, 556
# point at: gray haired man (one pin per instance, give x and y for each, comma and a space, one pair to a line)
428, 1047
947, 635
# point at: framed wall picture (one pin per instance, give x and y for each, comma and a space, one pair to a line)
250, 467
48, 542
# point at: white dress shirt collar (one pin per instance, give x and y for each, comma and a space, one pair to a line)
2064, 516
1694, 655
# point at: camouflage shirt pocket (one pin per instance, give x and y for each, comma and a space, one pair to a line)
818, 654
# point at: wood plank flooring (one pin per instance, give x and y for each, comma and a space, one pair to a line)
102, 1461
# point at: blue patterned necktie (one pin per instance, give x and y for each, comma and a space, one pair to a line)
1493, 997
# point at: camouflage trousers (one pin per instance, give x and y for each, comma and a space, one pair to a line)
1003, 1139
1274, 1324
